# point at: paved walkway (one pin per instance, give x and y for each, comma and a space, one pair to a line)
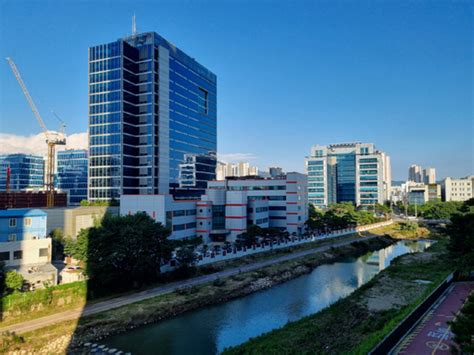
161, 290
433, 334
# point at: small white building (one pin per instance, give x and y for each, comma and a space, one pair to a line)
229, 207
457, 189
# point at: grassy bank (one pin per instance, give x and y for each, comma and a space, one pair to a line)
404, 230
95, 327
24, 306
358, 322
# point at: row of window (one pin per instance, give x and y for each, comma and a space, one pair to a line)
257, 188
18, 254
261, 221
105, 76
13, 222
101, 87
180, 213
180, 227
110, 96
107, 64
105, 108
257, 210
104, 51
101, 119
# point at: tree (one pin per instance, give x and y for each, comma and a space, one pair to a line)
461, 240
2, 278
246, 239
186, 257
463, 327
57, 241
14, 281
78, 248
123, 252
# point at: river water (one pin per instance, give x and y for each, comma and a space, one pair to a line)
210, 330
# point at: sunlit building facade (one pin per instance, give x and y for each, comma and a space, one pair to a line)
71, 174
26, 172
149, 105
348, 172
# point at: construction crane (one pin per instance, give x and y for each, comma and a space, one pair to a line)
53, 138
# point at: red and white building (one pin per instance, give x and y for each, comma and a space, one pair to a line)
229, 207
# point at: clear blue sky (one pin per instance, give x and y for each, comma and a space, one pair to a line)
290, 73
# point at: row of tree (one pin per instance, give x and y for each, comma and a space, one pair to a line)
435, 209
343, 215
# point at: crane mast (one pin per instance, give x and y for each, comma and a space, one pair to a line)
52, 138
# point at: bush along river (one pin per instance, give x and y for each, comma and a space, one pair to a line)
210, 330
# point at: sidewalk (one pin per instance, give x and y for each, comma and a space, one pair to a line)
433, 334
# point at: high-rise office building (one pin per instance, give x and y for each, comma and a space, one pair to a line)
429, 176
149, 105
71, 174
348, 172
26, 172
415, 173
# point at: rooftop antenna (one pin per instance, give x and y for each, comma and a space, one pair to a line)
134, 25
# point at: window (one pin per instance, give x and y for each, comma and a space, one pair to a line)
203, 101
4, 256
43, 252
27, 222
12, 222
17, 255
12, 237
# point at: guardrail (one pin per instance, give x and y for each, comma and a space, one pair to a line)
406, 325
293, 241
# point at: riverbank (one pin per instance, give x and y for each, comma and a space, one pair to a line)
24, 306
358, 322
96, 327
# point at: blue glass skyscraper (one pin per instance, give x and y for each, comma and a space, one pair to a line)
72, 174
26, 171
149, 105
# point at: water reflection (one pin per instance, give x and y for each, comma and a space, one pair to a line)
211, 329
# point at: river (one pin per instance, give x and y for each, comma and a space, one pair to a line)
210, 330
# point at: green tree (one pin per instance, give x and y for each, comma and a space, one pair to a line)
463, 328
186, 257
123, 252
57, 242
461, 240
14, 281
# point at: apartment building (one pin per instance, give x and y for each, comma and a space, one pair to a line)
453, 189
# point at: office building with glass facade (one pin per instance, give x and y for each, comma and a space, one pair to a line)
26, 172
149, 105
71, 174
349, 172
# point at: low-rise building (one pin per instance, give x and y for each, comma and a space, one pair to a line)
229, 207
24, 246
72, 219
457, 189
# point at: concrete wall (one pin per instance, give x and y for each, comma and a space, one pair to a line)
30, 250
72, 219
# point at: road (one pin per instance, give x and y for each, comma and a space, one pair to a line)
433, 334
109, 304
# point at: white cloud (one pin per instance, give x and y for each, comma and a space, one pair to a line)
35, 144
236, 157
